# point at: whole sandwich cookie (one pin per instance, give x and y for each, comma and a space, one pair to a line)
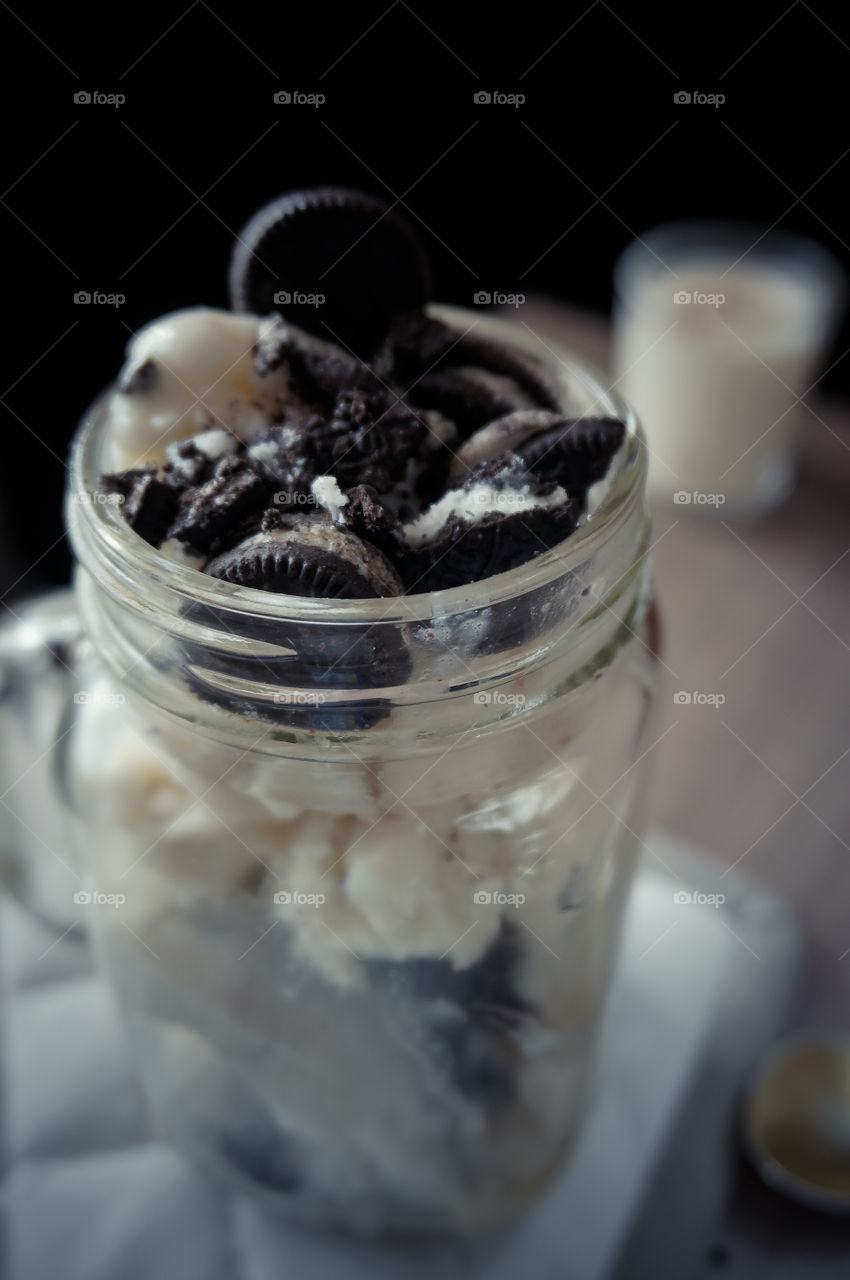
361, 448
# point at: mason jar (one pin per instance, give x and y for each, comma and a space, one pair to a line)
355, 869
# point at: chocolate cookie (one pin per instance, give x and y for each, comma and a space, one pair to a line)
251, 1141
419, 346
527, 370
576, 453
465, 552
288, 459
321, 370
214, 510
499, 517
502, 435
308, 556
469, 399
366, 516
416, 344
378, 441
288, 670
147, 503
336, 262
472, 1015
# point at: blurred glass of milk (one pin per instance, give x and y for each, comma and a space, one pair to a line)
719, 329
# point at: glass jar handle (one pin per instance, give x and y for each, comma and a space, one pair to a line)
40, 645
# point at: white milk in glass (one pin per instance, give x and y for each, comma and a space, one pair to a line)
714, 356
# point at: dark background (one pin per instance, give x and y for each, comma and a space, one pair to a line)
142, 199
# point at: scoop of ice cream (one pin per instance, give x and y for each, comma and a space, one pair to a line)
388, 888
185, 373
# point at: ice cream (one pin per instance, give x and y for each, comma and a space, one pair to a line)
185, 373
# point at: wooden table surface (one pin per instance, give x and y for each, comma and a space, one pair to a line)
760, 612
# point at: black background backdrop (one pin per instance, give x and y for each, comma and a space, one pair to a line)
142, 199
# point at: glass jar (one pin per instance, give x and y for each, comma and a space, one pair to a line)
356, 870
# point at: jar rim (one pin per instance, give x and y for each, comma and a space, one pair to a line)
112, 536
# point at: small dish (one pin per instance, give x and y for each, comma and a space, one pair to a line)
796, 1120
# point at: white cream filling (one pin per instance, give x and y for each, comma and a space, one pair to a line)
329, 496
473, 504
215, 443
